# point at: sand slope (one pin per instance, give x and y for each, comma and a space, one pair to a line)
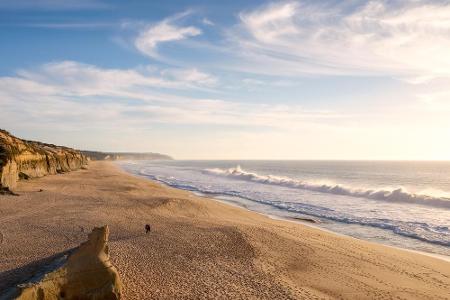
199, 248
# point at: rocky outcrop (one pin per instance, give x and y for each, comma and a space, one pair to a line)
95, 155
21, 159
86, 273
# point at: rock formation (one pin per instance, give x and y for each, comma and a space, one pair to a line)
86, 273
20, 159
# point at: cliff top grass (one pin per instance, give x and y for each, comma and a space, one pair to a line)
10, 145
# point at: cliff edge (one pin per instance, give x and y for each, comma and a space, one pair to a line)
21, 159
86, 273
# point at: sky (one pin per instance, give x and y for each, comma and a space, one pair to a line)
230, 79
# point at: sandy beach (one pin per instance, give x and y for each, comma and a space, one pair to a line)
198, 247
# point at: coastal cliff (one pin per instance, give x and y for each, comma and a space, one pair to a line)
21, 159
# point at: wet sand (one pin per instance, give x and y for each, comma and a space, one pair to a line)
200, 248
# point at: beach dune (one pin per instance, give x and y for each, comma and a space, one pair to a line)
198, 247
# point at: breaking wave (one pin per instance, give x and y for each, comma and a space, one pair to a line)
438, 235
400, 195
431, 229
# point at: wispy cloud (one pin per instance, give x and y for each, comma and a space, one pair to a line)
403, 39
208, 22
81, 95
165, 31
83, 79
192, 75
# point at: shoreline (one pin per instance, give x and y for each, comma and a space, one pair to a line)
305, 222
429, 254
198, 248
311, 224
315, 226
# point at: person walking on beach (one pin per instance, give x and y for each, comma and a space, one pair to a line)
147, 228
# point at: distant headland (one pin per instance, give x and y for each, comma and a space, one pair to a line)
96, 155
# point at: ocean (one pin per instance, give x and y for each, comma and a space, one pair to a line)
398, 203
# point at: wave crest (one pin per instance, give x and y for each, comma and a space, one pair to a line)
400, 194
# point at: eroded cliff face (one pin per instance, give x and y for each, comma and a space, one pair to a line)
86, 273
20, 159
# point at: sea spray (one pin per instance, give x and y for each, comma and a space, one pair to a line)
399, 194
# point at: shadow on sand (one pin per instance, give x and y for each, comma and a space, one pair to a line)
26, 273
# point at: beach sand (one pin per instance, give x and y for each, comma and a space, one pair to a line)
201, 248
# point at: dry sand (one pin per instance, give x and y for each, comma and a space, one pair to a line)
201, 248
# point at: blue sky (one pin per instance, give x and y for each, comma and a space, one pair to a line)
230, 79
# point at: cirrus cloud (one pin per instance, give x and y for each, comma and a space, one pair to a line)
165, 31
78, 95
400, 38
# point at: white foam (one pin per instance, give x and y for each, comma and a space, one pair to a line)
399, 194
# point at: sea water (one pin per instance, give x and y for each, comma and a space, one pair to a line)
403, 204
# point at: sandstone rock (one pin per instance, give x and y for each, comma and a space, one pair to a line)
86, 273
20, 159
